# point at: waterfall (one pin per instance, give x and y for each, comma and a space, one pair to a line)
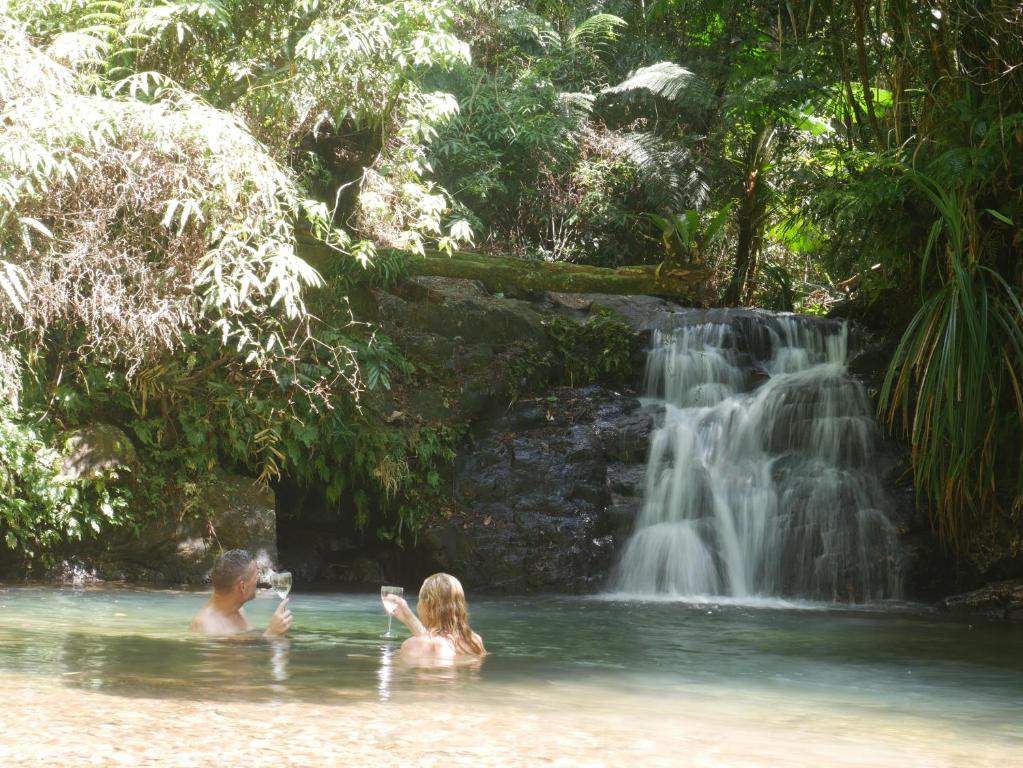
761, 479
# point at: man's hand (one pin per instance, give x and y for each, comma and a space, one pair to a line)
280, 622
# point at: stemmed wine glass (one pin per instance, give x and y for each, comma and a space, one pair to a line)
389, 606
281, 583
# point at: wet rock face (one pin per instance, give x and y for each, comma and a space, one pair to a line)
465, 336
931, 571
545, 495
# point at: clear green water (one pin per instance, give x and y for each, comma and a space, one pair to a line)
919, 675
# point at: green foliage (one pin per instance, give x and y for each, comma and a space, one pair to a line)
148, 253
599, 350
687, 236
40, 506
158, 158
365, 267
956, 372
317, 82
141, 222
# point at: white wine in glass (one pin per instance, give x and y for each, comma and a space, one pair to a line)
281, 583
390, 606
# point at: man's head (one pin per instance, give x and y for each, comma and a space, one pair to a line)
235, 572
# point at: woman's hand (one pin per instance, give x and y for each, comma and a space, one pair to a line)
397, 607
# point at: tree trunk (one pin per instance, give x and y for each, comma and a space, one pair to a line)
859, 13
752, 206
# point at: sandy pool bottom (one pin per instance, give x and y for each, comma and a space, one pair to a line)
47, 723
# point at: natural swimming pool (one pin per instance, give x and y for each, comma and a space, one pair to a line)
109, 676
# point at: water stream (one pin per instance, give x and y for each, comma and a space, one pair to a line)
763, 510
761, 478
110, 677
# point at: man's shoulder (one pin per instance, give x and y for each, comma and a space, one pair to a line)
201, 620
210, 621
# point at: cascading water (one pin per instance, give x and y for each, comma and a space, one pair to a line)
761, 481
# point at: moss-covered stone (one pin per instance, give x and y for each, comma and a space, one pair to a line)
98, 450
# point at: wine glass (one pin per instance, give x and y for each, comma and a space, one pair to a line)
281, 583
390, 606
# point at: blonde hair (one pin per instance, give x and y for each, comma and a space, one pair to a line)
442, 611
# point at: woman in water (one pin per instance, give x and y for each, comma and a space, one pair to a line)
441, 631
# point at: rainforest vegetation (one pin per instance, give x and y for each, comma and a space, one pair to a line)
165, 164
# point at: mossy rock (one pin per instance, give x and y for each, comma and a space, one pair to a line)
98, 451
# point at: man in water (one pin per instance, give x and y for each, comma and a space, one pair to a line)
234, 584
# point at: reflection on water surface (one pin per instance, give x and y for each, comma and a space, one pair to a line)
570, 681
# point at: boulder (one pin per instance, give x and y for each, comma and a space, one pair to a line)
98, 451
999, 600
181, 549
460, 309
641, 313
463, 342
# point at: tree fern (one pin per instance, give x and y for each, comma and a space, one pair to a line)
671, 176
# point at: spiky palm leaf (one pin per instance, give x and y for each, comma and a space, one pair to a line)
957, 363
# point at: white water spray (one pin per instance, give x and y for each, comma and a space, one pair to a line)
761, 481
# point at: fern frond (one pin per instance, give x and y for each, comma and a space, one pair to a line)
596, 31
667, 169
530, 27
575, 105
665, 79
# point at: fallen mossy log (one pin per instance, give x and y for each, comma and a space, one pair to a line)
516, 277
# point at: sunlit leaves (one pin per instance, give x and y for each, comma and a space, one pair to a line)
138, 219
14, 285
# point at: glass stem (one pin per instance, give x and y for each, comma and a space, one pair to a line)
388, 622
